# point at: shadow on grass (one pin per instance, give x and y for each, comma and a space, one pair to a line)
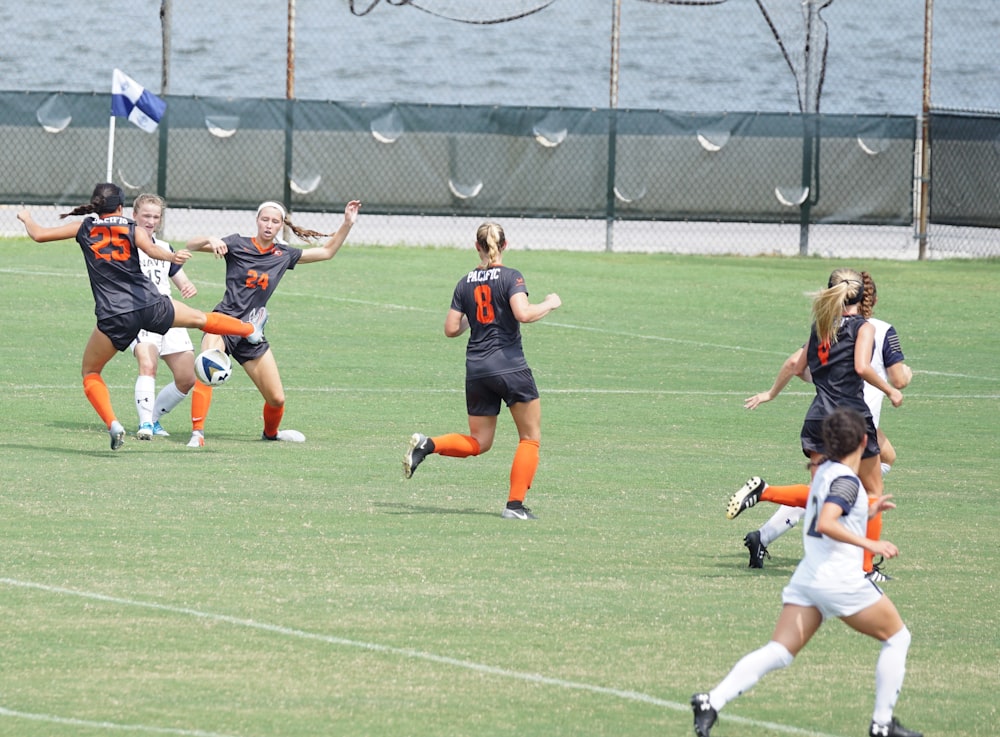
401, 508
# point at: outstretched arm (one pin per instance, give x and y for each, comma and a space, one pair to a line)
794, 365
329, 249
207, 243
41, 234
144, 242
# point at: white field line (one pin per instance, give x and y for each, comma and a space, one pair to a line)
240, 388
141, 728
535, 678
552, 324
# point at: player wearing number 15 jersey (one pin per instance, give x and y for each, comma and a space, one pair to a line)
492, 302
125, 299
254, 266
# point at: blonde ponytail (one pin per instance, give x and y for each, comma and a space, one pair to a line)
490, 241
845, 287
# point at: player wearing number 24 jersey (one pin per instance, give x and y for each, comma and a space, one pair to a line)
492, 302
254, 267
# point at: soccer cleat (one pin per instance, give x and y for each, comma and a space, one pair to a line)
892, 729
876, 574
421, 446
117, 433
145, 431
746, 497
704, 714
197, 440
258, 318
288, 436
757, 551
158, 430
518, 513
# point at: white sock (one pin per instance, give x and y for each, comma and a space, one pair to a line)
889, 672
168, 398
885, 469
145, 388
781, 522
750, 669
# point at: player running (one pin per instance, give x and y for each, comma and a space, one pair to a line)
492, 300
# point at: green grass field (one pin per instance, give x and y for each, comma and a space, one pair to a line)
255, 590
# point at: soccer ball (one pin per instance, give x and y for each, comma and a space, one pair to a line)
213, 367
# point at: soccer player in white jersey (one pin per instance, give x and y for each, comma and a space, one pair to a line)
174, 346
889, 363
828, 582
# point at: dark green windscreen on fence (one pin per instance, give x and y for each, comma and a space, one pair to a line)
965, 167
468, 160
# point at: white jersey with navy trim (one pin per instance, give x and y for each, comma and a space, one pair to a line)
829, 563
159, 272
888, 352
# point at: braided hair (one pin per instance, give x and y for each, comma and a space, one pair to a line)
490, 241
106, 198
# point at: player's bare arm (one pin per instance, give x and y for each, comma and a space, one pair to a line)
41, 234
329, 249
524, 311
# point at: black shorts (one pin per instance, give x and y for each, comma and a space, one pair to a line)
483, 394
241, 350
812, 438
122, 329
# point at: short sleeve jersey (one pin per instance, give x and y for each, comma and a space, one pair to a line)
112, 259
825, 560
888, 352
158, 272
253, 273
832, 368
483, 295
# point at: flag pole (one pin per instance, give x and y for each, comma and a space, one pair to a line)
111, 145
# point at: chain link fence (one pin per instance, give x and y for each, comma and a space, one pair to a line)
437, 124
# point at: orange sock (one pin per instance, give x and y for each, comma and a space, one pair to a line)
456, 445
873, 532
272, 419
522, 471
201, 400
794, 495
99, 397
219, 324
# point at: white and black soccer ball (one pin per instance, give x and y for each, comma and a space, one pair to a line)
213, 367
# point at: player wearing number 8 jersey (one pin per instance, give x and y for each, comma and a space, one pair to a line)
254, 266
492, 301
125, 300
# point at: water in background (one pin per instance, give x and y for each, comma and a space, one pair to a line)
712, 58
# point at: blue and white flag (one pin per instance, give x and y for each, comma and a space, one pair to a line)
131, 100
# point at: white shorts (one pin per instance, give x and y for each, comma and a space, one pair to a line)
842, 599
175, 340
